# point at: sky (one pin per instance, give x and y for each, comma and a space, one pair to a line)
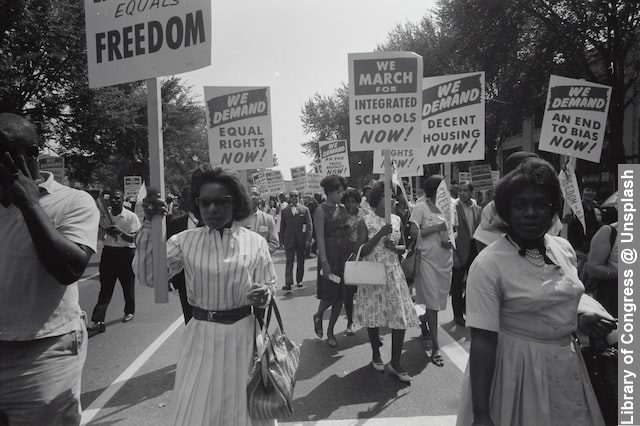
297, 48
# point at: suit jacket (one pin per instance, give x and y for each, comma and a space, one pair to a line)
464, 243
295, 229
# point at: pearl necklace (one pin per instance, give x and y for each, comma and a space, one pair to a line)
534, 257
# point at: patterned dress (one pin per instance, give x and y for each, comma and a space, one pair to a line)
389, 305
337, 249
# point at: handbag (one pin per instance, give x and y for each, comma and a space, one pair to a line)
272, 379
410, 265
602, 365
358, 272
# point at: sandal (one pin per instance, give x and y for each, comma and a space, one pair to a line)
426, 334
317, 325
437, 360
350, 331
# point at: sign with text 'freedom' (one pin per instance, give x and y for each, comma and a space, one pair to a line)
239, 127
385, 99
139, 39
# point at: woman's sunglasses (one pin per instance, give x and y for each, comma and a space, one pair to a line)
219, 202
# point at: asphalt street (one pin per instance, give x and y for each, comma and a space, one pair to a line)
130, 369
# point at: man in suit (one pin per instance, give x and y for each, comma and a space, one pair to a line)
465, 252
296, 230
261, 222
175, 226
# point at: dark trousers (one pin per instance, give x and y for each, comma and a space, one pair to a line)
179, 284
458, 285
297, 252
115, 264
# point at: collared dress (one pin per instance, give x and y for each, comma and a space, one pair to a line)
540, 378
215, 359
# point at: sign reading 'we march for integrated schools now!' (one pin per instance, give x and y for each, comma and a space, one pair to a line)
334, 158
239, 127
385, 99
575, 118
139, 39
453, 118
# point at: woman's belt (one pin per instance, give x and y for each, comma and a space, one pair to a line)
559, 341
224, 317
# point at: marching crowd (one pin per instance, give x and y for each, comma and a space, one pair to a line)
513, 281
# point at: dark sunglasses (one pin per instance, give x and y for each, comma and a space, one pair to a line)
219, 202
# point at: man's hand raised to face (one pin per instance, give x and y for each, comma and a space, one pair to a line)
17, 182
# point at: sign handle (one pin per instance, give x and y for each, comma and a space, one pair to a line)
387, 186
156, 169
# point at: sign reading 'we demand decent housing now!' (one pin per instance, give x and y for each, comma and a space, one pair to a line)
139, 39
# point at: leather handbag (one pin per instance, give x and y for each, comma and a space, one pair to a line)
358, 272
272, 379
410, 265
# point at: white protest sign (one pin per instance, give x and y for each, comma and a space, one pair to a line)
453, 118
274, 182
406, 161
299, 178
334, 158
481, 177
260, 181
139, 39
464, 177
239, 127
445, 205
313, 183
575, 118
385, 99
495, 177
53, 165
132, 186
571, 192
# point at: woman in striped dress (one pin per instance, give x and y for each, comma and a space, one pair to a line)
228, 269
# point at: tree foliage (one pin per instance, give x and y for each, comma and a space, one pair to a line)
327, 118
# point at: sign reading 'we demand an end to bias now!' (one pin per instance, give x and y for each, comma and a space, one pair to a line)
385, 99
139, 39
239, 127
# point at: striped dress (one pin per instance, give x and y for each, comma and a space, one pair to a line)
215, 359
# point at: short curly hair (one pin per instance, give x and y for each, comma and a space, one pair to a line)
207, 173
351, 194
333, 183
376, 194
533, 173
430, 185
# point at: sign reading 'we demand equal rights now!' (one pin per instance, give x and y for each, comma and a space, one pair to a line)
140, 39
239, 127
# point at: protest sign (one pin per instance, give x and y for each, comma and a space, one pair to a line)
407, 161
571, 192
575, 118
334, 158
445, 205
464, 177
313, 183
139, 39
53, 165
239, 127
495, 177
299, 178
260, 181
132, 186
274, 182
481, 177
453, 118
384, 100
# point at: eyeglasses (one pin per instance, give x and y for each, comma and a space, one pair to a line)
219, 202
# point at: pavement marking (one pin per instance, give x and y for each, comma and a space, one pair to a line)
384, 421
451, 347
89, 277
113, 388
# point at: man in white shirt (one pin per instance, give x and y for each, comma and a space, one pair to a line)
261, 222
48, 234
115, 262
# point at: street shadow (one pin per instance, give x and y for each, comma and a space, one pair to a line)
361, 386
137, 390
459, 334
91, 334
309, 289
315, 356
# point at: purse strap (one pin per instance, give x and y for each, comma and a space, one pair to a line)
359, 251
273, 308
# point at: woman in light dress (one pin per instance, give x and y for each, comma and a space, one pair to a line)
433, 280
525, 369
228, 270
389, 305
351, 200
